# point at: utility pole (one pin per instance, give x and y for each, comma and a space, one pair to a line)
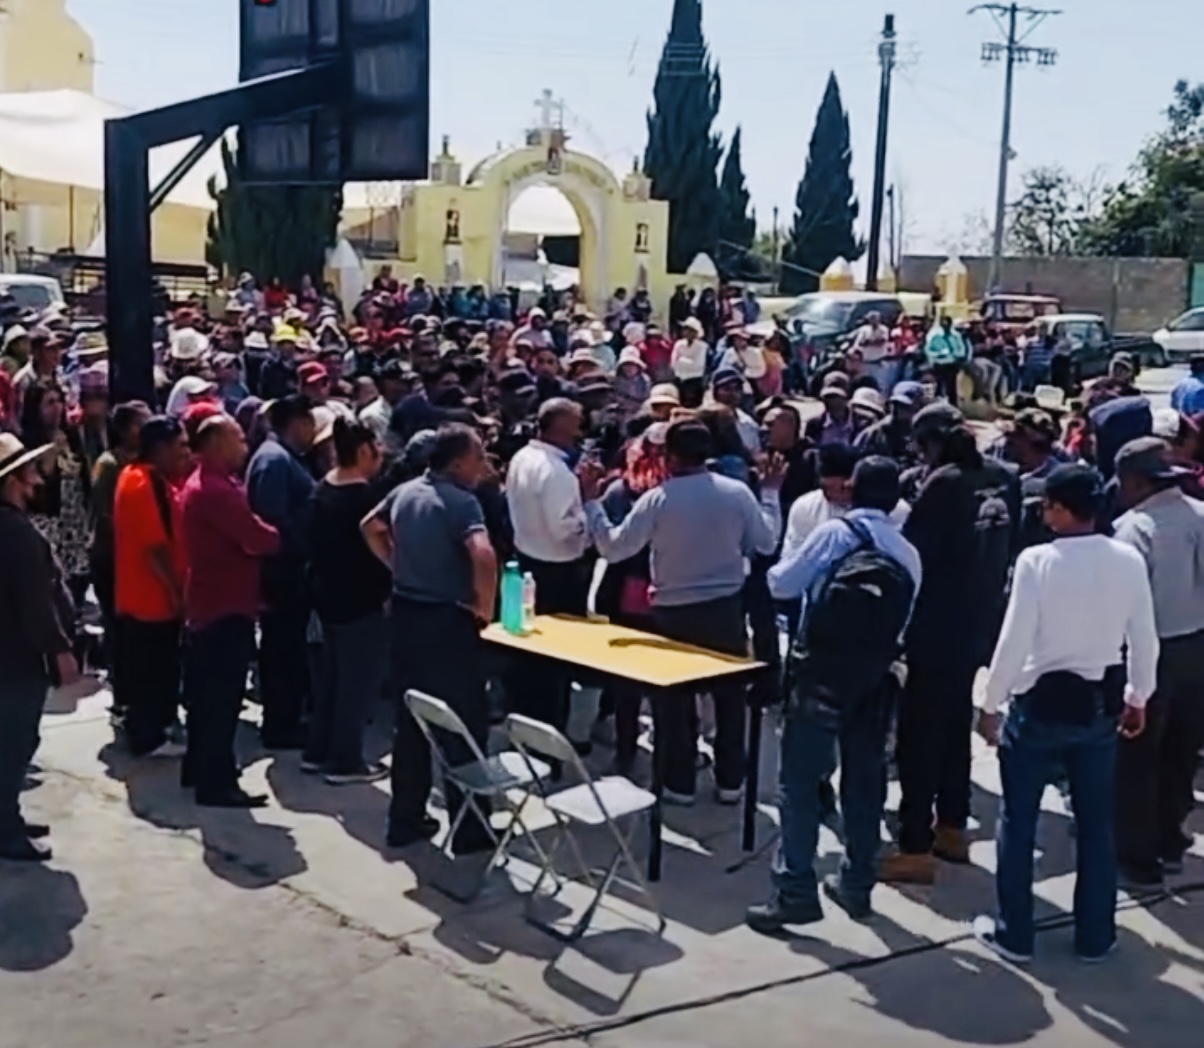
777, 276
894, 257
1013, 51
886, 58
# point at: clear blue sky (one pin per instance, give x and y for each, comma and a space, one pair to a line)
1118, 62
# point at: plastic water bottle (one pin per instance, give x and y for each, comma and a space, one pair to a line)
528, 603
512, 598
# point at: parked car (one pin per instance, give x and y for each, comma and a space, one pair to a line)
817, 323
1183, 336
1091, 345
1011, 314
31, 294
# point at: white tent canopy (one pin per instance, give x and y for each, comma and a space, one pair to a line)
58, 137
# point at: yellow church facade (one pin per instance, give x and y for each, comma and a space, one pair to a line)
452, 230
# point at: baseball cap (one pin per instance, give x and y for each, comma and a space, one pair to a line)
1149, 457
518, 380
595, 382
908, 393
311, 372
725, 375
936, 419
1076, 486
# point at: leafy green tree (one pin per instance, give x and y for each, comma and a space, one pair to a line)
737, 219
825, 206
1050, 213
1156, 210
683, 152
270, 231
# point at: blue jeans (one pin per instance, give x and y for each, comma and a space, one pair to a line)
810, 744
1030, 755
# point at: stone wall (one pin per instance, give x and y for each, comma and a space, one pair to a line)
1135, 294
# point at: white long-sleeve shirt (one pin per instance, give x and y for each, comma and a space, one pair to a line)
813, 509
1075, 603
545, 505
689, 359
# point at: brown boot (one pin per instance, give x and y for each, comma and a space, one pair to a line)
949, 843
901, 868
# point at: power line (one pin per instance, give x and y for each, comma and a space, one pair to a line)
1014, 51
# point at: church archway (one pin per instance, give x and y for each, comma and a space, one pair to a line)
542, 240
589, 186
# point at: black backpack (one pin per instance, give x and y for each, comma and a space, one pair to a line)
852, 630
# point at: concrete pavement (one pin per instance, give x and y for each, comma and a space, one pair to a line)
158, 924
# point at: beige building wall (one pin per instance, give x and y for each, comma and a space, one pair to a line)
42, 48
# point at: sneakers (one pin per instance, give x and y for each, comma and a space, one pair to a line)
986, 934
950, 843
901, 868
167, 750
368, 773
770, 918
312, 767
728, 797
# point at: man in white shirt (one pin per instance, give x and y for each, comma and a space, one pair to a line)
874, 340
550, 535
830, 500
1080, 609
689, 362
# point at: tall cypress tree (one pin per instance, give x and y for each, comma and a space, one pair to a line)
683, 153
270, 231
737, 222
825, 206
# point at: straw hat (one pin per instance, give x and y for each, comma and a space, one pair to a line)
14, 454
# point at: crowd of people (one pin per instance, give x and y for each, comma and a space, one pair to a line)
322, 504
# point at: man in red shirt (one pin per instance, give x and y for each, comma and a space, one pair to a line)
657, 351
224, 540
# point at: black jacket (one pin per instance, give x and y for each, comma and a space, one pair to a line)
35, 608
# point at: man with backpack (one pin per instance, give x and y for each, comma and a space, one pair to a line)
857, 577
964, 523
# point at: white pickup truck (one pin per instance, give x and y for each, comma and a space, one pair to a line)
1184, 336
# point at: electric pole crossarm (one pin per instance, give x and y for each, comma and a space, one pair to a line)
1014, 51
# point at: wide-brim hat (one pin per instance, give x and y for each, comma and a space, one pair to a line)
14, 454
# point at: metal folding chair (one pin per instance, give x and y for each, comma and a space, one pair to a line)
600, 802
491, 777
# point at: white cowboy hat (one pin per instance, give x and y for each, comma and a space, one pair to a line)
14, 454
188, 345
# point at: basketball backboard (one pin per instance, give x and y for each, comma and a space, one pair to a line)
380, 129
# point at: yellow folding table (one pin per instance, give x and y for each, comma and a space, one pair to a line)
656, 664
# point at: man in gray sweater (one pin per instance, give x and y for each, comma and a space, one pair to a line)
35, 650
701, 530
